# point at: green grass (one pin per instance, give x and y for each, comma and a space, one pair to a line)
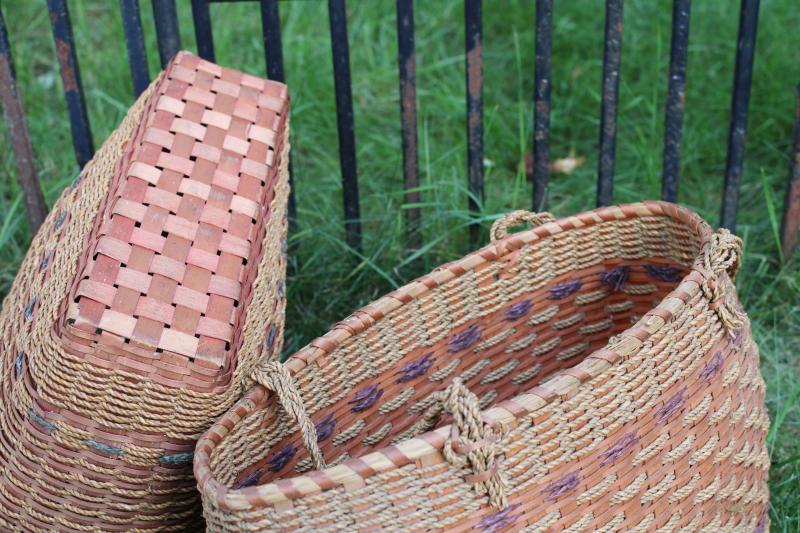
329, 280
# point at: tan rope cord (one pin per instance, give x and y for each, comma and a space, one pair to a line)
472, 441
517, 218
722, 254
274, 376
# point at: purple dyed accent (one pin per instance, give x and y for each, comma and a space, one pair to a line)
664, 272
672, 406
249, 480
465, 339
45, 260
562, 290
761, 526
62, 216
279, 460
712, 368
365, 398
283, 247
415, 369
562, 486
29, 309
628, 441
281, 288
273, 329
325, 428
616, 277
518, 310
18, 364
499, 520
738, 336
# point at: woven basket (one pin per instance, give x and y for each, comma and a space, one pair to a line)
616, 371
143, 304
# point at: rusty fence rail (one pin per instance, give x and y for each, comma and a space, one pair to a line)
168, 38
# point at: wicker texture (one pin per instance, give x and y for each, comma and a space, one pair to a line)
616, 370
143, 304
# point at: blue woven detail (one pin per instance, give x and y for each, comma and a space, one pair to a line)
18, 364
29, 309
103, 447
176, 459
38, 420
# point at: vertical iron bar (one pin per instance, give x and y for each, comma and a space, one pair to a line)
167, 32
673, 119
791, 206
407, 66
740, 103
474, 80
20, 139
134, 40
71, 78
273, 53
344, 115
201, 13
612, 52
541, 100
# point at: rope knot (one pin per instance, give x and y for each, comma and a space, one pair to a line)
517, 218
722, 254
472, 441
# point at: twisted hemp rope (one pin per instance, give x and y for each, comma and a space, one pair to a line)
273, 376
722, 254
472, 441
517, 218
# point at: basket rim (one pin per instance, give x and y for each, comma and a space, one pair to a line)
426, 447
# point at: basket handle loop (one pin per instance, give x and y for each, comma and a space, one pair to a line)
472, 441
516, 218
722, 254
273, 376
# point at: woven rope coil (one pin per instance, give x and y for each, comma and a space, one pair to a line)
588, 353
142, 306
501, 226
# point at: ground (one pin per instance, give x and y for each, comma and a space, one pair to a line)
328, 280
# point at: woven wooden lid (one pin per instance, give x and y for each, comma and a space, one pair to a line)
167, 272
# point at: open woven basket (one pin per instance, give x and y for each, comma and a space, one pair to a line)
142, 305
594, 372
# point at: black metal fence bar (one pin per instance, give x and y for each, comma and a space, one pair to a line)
344, 113
541, 103
676, 90
134, 42
201, 14
474, 54
167, 31
740, 103
20, 139
71, 78
791, 206
612, 53
407, 66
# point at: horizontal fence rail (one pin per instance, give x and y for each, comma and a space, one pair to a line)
165, 15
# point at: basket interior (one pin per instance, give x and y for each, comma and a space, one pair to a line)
503, 327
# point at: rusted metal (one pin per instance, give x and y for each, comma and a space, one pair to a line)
167, 32
344, 113
676, 93
18, 132
740, 104
71, 78
541, 98
134, 41
406, 62
790, 224
201, 14
474, 54
612, 53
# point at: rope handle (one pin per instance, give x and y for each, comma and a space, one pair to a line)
723, 254
517, 218
273, 376
472, 440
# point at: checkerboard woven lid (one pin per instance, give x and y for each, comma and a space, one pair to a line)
169, 266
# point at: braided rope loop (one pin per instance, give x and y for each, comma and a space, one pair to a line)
274, 377
723, 254
472, 441
517, 218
